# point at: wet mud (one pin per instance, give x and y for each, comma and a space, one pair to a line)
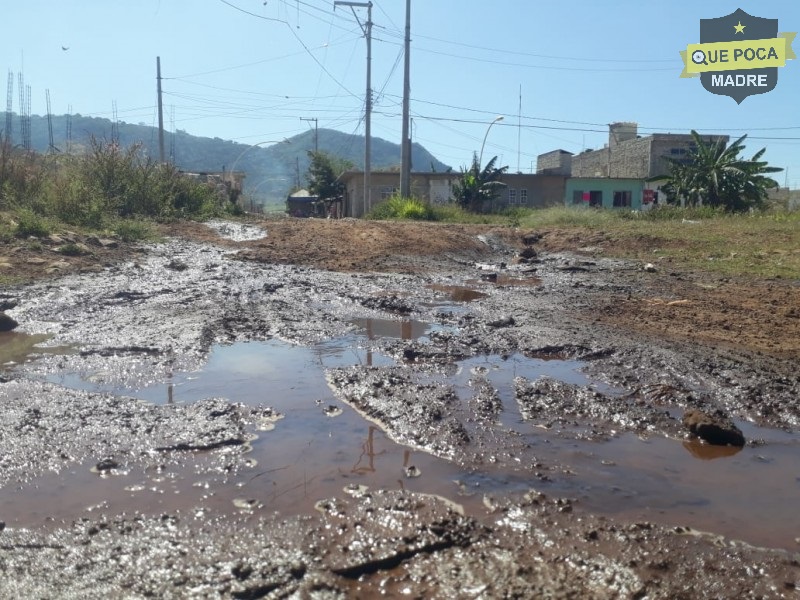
197, 421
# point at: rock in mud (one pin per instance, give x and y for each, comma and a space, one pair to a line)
506, 321
7, 323
716, 428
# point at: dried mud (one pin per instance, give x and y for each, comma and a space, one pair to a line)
650, 347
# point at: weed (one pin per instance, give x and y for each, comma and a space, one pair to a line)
131, 230
71, 250
31, 224
403, 208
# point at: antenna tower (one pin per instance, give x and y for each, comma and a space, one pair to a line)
21, 79
9, 98
52, 147
27, 117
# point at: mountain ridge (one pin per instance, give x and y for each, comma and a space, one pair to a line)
272, 170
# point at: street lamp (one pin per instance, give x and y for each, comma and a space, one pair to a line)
496, 119
231, 183
246, 150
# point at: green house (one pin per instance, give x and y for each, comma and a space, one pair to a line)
604, 192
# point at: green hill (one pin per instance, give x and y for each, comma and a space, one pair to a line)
273, 170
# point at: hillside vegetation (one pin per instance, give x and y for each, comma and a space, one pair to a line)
273, 166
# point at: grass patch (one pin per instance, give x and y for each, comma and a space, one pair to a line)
31, 224
134, 230
397, 207
100, 187
764, 244
72, 250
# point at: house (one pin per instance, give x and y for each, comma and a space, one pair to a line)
527, 190
522, 189
629, 155
605, 192
427, 186
228, 185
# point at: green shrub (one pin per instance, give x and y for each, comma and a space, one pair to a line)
133, 230
403, 208
71, 250
31, 224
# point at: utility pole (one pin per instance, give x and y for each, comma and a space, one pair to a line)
51, 148
316, 131
367, 29
160, 112
405, 153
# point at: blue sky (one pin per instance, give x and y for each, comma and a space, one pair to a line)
253, 70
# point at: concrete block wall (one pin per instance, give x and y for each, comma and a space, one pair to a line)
590, 164
557, 162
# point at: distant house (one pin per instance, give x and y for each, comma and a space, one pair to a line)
302, 204
605, 192
228, 184
522, 190
629, 155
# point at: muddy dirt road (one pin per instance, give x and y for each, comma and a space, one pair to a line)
331, 409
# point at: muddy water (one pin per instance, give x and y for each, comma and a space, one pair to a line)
17, 348
750, 494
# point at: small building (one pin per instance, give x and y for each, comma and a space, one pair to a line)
605, 192
302, 204
427, 186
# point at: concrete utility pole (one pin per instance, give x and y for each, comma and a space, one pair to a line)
316, 131
367, 29
405, 153
160, 112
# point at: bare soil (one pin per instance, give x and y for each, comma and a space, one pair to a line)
759, 315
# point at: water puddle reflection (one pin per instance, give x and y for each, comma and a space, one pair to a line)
321, 446
405, 329
17, 348
457, 293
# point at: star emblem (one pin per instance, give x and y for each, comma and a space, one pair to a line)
739, 28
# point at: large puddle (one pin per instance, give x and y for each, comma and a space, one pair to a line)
321, 447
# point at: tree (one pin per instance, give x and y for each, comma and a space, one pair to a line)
323, 176
477, 188
715, 175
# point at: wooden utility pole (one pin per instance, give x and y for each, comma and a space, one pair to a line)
160, 112
405, 152
316, 131
367, 29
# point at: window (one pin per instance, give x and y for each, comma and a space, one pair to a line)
523, 197
512, 196
622, 198
577, 197
596, 198
387, 192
